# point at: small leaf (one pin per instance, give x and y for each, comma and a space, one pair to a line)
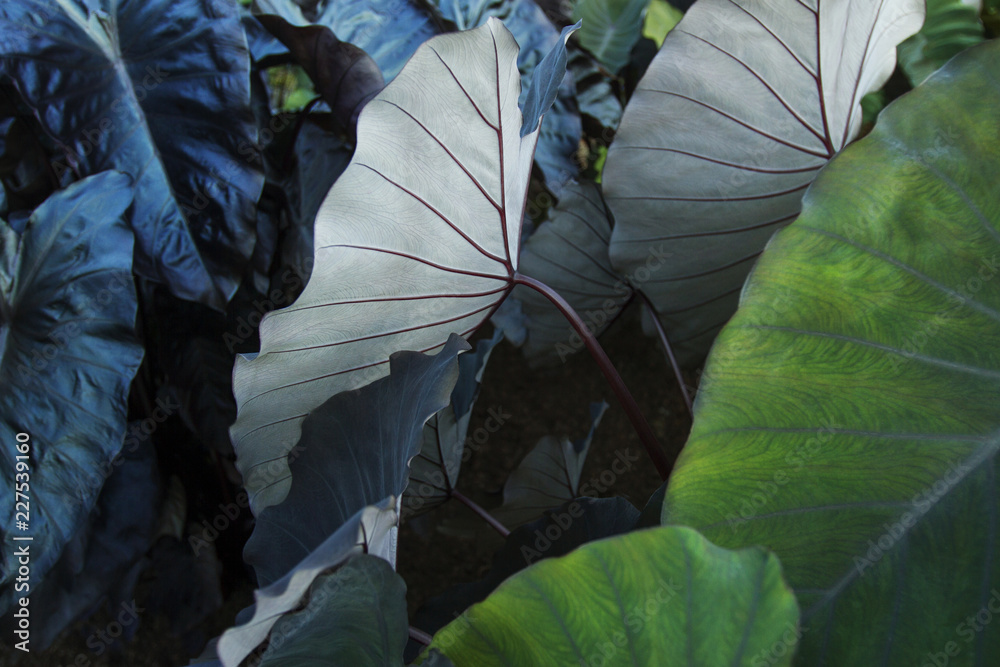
548, 476
545, 81
610, 29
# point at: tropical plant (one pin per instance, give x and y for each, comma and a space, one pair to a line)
333, 199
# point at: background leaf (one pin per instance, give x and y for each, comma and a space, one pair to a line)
67, 357
610, 28
158, 89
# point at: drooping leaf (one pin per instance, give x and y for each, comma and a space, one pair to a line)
556, 533
371, 530
434, 471
847, 417
417, 240
951, 27
536, 37
741, 107
610, 28
569, 253
548, 476
664, 596
344, 75
158, 89
354, 616
355, 449
68, 354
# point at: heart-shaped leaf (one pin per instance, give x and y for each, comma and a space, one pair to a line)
355, 449
159, 89
848, 415
417, 239
68, 353
548, 476
664, 596
741, 107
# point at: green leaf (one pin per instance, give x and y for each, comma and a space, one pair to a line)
68, 354
741, 107
664, 596
951, 27
661, 17
610, 29
848, 415
354, 616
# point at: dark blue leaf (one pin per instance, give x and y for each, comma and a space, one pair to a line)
67, 357
545, 81
159, 89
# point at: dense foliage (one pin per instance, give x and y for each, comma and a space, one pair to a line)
255, 258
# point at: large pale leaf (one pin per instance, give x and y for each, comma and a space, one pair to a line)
68, 354
569, 253
417, 239
159, 89
663, 596
355, 450
848, 415
741, 107
537, 38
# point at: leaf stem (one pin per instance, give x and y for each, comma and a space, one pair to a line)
669, 351
483, 514
420, 636
646, 435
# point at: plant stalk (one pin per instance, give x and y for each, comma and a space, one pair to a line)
639, 423
669, 350
483, 514
420, 636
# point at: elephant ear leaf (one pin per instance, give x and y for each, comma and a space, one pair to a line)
951, 27
664, 596
847, 418
741, 107
68, 354
160, 90
418, 239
